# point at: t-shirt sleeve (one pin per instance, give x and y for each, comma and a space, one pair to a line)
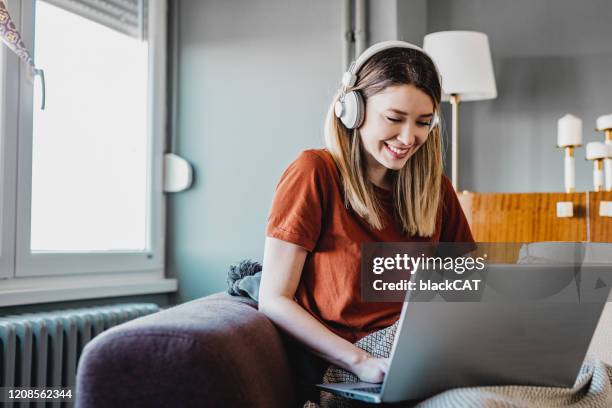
455, 227
298, 205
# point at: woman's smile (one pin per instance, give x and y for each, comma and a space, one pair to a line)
395, 152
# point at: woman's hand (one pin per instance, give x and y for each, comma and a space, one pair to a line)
371, 369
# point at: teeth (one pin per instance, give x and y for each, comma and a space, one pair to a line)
395, 150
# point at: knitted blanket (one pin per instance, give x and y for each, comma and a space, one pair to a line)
592, 389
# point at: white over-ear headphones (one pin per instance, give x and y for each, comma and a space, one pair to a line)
350, 108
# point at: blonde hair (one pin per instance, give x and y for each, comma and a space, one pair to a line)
417, 185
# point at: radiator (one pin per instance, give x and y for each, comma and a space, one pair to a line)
43, 349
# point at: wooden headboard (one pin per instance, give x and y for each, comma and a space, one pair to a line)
532, 217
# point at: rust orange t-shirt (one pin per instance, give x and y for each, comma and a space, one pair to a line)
308, 210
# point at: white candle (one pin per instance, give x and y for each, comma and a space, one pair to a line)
569, 131
570, 172
608, 166
598, 178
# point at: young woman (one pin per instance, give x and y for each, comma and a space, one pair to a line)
378, 179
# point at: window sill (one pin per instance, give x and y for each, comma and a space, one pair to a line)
26, 291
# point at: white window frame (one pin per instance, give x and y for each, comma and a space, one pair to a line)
8, 163
35, 276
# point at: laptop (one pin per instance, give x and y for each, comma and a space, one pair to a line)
540, 342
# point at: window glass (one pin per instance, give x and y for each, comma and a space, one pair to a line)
90, 144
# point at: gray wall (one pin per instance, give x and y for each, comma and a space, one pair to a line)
550, 57
256, 78
397, 20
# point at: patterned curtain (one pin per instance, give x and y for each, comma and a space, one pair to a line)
12, 38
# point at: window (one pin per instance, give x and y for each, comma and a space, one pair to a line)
81, 181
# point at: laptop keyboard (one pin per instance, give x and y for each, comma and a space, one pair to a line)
373, 390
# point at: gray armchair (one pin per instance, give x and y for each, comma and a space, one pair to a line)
214, 351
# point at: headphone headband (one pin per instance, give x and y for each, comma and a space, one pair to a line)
350, 76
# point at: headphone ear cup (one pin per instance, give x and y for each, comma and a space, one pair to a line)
360, 110
353, 112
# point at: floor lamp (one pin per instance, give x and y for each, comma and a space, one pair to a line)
464, 61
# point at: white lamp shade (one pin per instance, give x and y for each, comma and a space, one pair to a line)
569, 131
464, 61
596, 150
604, 122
